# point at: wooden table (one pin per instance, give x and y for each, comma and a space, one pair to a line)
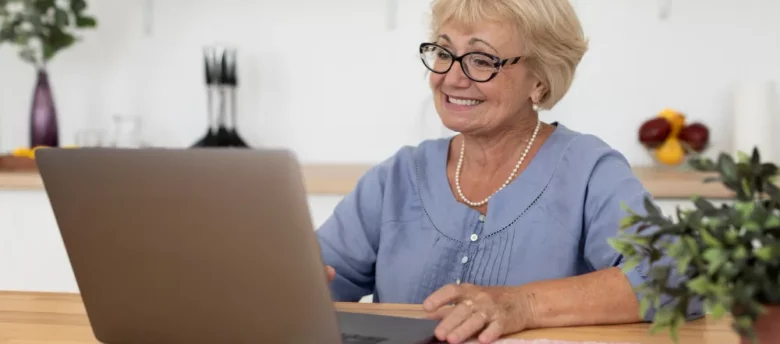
51, 318
340, 179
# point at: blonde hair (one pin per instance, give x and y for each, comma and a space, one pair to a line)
552, 34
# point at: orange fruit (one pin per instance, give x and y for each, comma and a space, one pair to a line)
675, 118
671, 152
22, 152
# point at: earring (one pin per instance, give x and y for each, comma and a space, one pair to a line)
535, 107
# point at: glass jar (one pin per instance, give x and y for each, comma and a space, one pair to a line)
126, 132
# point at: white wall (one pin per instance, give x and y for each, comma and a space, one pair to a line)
329, 79
33, 256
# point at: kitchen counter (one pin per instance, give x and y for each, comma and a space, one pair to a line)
37, 260
340, 179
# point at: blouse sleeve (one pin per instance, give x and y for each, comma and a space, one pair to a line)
611, 183
349, 238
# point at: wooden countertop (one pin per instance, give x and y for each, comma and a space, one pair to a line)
340, 179
49, 318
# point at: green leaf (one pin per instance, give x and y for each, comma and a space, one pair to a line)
629, 221
713, 222
774, 192
626, 208
28, 55
745, 208
704, 205
85, 22
61, 18
631, 264
644, 306
720, 289
699, 285
623, 247
660, 273
716, 258
746, 188
42, 6
58, 40
768, 170
739, 253
663, 318
717, 310
727, 167
742, 157
78, 6
683, 264
692, 245
764, 253
772, 221
674, 327
744, 322
651, 209
702, 163
677, 249
709, 239
732, 236
755, 159
752, 226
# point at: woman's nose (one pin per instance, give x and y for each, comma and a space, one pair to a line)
455, 77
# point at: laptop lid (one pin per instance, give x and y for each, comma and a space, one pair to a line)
191, 246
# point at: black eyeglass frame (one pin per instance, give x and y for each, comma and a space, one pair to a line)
498, 62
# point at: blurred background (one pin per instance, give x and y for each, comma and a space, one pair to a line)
323, 78
341, 82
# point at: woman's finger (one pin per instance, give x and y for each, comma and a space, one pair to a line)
492, 333
457, 316
444, 296
472, 326
440, 313
330, 273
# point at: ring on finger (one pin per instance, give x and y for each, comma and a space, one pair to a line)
468, 303
483, 315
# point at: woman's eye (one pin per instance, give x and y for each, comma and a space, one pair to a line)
482, 63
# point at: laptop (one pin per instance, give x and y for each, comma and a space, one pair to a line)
200, 246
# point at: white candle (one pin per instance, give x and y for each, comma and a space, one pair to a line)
753, 118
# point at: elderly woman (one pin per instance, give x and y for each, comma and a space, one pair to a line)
507, 221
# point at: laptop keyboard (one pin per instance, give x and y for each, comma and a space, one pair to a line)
359, 339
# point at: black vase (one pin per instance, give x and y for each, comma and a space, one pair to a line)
43, 115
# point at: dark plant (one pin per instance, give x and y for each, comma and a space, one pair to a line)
729, 255
42, 28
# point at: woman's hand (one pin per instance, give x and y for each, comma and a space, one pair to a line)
330, 273
483, 312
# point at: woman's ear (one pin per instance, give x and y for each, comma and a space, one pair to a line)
538, 92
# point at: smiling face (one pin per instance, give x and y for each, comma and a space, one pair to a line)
471, 107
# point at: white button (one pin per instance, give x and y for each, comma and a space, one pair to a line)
464, 260
457, 281
474, 237
481, 218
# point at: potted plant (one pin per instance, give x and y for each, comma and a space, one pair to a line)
729, 254
40, 29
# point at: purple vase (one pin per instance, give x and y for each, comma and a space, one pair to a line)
43, 115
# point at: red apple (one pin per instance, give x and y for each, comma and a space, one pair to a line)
696, 135
654, 132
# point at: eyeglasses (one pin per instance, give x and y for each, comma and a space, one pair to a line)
477, 66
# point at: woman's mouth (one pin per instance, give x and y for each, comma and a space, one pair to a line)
463, 101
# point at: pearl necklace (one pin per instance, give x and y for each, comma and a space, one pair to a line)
508, 180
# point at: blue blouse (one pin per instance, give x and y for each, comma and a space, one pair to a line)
401, 234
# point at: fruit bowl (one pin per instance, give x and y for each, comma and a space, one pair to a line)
667, 165
670, 141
